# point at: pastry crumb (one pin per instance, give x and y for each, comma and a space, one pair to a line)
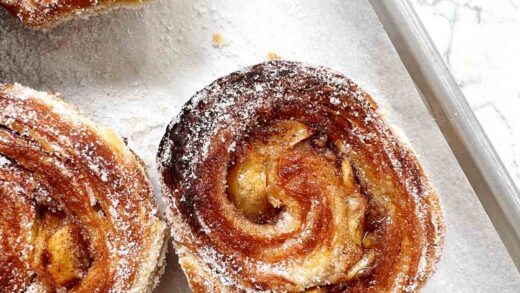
272, 56
151, 148
219, 40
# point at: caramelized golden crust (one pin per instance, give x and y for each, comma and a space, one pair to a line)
45, 14
284, 177
79, 212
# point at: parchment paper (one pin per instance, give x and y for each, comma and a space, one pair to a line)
133, 70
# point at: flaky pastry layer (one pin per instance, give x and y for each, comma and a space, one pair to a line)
46, 14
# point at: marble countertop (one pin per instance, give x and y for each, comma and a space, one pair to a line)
480, 42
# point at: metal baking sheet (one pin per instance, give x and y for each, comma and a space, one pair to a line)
486, 173
133, 70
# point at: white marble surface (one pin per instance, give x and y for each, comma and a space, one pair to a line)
480, 42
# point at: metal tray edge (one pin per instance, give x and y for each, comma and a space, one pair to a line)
459, 125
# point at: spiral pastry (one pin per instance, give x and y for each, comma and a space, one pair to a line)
285, 178
78, 213
45, 14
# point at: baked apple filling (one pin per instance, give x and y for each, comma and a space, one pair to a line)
287, 168
61, 256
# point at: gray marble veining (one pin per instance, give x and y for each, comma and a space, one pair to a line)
480, 42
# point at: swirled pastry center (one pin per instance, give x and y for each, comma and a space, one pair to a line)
288, 174
53, 246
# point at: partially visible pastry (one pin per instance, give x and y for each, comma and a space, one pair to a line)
285, 178
45, 14
78, 210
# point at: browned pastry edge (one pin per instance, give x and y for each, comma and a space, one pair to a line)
46, 14
82, 213
253, 115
